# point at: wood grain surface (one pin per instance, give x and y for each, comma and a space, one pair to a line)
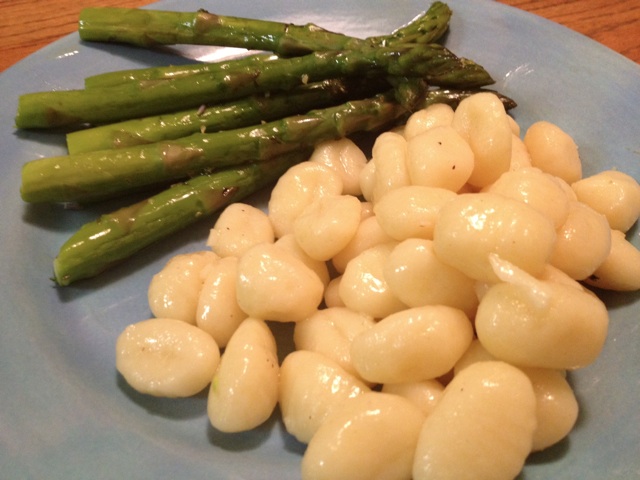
28, 25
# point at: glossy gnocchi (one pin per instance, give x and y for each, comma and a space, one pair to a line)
481, 429
435, 295
244, 388
383, 429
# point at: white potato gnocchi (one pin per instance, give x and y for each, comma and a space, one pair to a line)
288, 243
331, 331
551, 325
298, 187
583, 242
389, 159
620, 270
383, 429
346, 159
435, 296
520, 157
363, 287
327, 225
273, 284
332, 293
174, 291
238, 228
556, 406
552, 150
417, 277
537, 189
472, 226
424, 394
482, 428
165, 357
218, 312
244, 389
416, 344
612, 193
440, 158
483, 122
411, 211
311, 387
368, 235
436, 115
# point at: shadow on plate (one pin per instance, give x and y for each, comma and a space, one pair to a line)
174, 408
142, 57
54, 138
290, 443
552, 454
69, 217
242, 441
252, 439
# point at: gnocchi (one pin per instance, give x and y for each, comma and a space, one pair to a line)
614, 194
244, 388
411, 211
436, 115
441, 158
174, 291
165, 357
311, 387
218, 312
331, 331
346, 159
363, 287
424, 394
389, 158
382, 428
483, 122
482, 427
472, 226
552, 150
416, 344
543, 324
238, 228
297, 188
436, 295
327, 225
417, 277
583, 242
273, 284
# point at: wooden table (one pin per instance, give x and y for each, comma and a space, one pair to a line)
28, 25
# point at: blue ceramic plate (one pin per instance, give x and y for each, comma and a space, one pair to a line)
65, 413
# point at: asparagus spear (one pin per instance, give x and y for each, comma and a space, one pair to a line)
156, 27
97, 175
170, 72
425, 28
244, 112
454, 97
428, 27
434, 63
113, 237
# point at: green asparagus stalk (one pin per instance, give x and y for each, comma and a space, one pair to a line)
434, 63
147, 28
428, 27
116, 236
454, 97
243, 112
170, 72
97, 175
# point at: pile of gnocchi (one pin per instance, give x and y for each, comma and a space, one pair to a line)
437, 294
